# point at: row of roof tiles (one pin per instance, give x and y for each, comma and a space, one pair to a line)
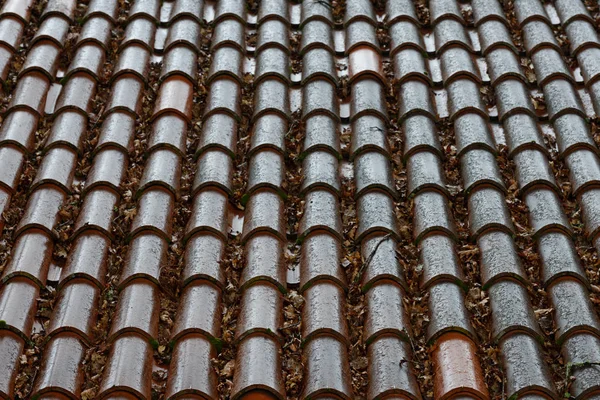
324, 328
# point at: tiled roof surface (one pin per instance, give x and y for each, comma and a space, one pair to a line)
276, 199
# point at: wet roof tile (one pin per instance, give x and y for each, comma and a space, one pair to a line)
290, 156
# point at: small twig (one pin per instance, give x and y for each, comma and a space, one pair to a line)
570, 367
370, 258
324, 3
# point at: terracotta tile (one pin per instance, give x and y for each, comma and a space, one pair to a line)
6, 56
385, 312
230, 9
538, 34
175, 95
209, 213
550, 65
42, 209
42, 58
108, 170
133, 59
365, 61
445, 9
323, 312
17, 8
488, 211
572, 308
224, 97
321, 134
409, 63
320, 260
261, 311
264, 213
272, 33
97, 212
526, 370
12, 164
184, 31
271, 96
421, 134
30, 256
484, 10
18, 129
180, 60
219, 131
320, 171
499, 258
264, 262
88, 259
18, 302
447, 311
203, 255
360, 10
229, 32
273, 9
61, 8
589, 205
530, 10
456, 63
191, 371
327, 368
361, 33
215, 168
11, 29
572, 133
317, 34
75, 310
163, 168
372, 172
137, 311
169, 131
268, 132
513, 98
139, 31
375, 214
584, 170
464, 97
576, 350
456, 367
271, 62
321, 212
545, 211
11, 347
522, 131
318, 11
68, 130
319, 97
266, 170
503, 64
473, 132
424, 171
318, 63
187, 8
108, 8
415, 98
61, 370
405, 34
126, 95
450, 32
368, 99
200, 311
58, 168
440, 261
129, 367
77, 94
31, 92
389, 375
258, 351
154, 213
96, 30
384, 265
89, 58
431, 215
511, 310
147, 255
494, 34
559, 258
145, 9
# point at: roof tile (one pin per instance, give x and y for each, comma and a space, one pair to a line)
420, 133
447, 312
208, 213
400, 10
42, 209
30, 92
424, 170
144, 9
320, 133
588, 61
493, 34
229, 32
415, 99
319, 260
562, 98
137, 311
96, 30
513, 98
361, 33
17, 301
464, 97
174, 95
139, 31
559, 258
266, 170
444, 9
323, 312
108, 169
97, 211
168, 131
60, 372
486, 10
10, 173
405, 34
316, 34
549, 65
440, 261
272, 33
525, 367
321, 211
368, 99
67, 130
385, 312
215, 168
373, 172
77, 94
320, 171
591, 214
450, 32
375, 211
409, 63
456, 62
503, 64
17, 8
199, 312
61, 8
538, 34
316, 63
191, 371
268, 132
264, 261
327, 367
582, 35
545, 211
75, 310
30, 253
359, 10
184, 31
488, 211
262, 205
163, 168
319, 97
431, 214
530, 10
11, 32
89, 58
384, 265
499, 259
273, 9
576, 350
203, 254
532, 169
570, 11
314, 10
154, 213
227, 61
478, 168
108, 8
88, 259
271, 97
584, 170
187, 8
369, 133
523, 132
472, 131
